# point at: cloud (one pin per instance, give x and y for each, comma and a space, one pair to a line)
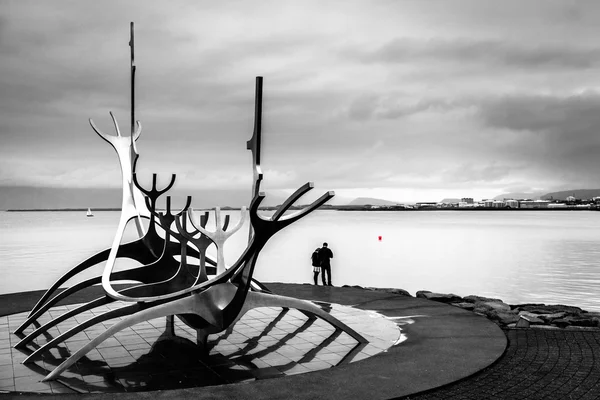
366, 95
493, 53
561, 128
392, 106
478, 173
363, 107
556, 134
572, 113
501, 138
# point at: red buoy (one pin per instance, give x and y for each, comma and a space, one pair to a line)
379, 238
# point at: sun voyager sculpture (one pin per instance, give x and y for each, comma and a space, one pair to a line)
208, 296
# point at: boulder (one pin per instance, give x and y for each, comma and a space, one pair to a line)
522, 323
550, 309
591, 314
439, 297
474, 299
520, 306
482, 311
401, 292
548, 318
354, 286
561, 323
465, 306
531, 318
503, 317
583, 321
545, 312
493, 305
494, 311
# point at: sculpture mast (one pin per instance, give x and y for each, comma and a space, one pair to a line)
132, 48
255, 142
134, 153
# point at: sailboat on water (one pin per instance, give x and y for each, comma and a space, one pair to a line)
89, 213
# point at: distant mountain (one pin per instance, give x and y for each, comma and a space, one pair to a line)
517, 196
577, 193
308, 198
361, 201
450, 200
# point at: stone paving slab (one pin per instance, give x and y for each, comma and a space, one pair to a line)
443, 344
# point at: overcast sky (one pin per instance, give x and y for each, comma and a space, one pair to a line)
401, 100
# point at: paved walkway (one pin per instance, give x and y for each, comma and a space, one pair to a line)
538, 364
444, 344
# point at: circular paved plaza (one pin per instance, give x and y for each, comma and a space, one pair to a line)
266, 343
271, 353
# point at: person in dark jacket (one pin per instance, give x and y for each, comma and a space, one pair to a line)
316, 263
325, 255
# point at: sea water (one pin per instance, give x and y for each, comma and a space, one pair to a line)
525, 256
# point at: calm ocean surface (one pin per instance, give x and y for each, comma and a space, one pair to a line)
548, 257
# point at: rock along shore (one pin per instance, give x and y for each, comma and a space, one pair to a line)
510, 315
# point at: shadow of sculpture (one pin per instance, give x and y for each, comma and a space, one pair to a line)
174, 361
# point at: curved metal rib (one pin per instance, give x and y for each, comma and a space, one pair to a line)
167, 270
132, 205
79, 328
313, 206
127, 153
62, 295
292, 199
257, 286
151, 240
201, 243
136, 291
166, 220
267, 229
137, 250
154, 193
90, 262
256, 299
202, 304
63, 317
219, 236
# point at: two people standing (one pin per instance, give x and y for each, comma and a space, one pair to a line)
321, 260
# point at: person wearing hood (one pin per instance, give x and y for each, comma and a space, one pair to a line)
316, 264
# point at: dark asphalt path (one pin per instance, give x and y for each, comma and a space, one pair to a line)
538, 364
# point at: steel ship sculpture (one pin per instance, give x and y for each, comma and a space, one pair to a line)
208, 296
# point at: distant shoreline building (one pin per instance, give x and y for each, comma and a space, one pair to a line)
512, 203
534, 203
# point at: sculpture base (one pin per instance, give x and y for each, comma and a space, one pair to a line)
266, 343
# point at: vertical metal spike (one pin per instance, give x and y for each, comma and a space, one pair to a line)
132, 48
254, 144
